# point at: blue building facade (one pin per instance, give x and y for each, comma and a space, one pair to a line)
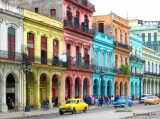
102, 58
136, 65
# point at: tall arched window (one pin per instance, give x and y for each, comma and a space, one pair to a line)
120, 36
126, 38
102, 59
55, 47
95, 58
109, 61
86, 55
139, 52
135, 50
43, 50
30, 45
115, 34
11, 43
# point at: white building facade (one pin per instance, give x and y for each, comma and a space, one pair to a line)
11, 43
151, 82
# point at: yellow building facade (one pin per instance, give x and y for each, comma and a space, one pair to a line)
43, 42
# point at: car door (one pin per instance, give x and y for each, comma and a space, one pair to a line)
81, 105
78, 105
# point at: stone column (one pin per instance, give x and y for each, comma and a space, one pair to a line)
3, 106
81, 90
37, 92
49, 92
60, 90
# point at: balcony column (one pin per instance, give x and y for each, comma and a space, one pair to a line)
82, 51
106, 59
73, 51
3, 35
50, 50
37, 46
90, 54
99, 58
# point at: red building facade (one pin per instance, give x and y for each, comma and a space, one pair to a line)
77, 44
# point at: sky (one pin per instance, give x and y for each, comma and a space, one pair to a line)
141, 9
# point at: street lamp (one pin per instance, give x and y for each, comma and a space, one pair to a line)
140, 90
101, 73
27, 66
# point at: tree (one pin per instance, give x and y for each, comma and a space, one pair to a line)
125, 71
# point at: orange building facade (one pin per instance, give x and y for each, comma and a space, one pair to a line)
118, 28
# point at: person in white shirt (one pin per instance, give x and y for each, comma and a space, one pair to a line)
112, 99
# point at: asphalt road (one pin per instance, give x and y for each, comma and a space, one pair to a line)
99, 112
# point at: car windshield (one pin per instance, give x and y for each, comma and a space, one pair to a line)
70, 101
121, 99
150, 97
145, 95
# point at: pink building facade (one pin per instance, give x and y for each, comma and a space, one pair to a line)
78, 47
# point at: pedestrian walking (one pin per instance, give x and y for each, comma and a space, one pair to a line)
53, 102
47, 104
108, 100
96, 102
112, 99
101, 101
44, 104
92, 100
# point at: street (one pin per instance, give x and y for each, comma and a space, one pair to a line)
108, 112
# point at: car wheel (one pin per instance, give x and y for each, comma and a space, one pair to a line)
61, 113
145, 104
115, 106
74, 111
158, 102
131, 105
85, 109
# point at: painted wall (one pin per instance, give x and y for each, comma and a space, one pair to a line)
14, 20
103, 44
136, 43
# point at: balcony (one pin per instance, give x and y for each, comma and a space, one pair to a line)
81, 65
136, 75
79, 28
151, 73
122, 45
47, 61
14, 56
105, 69
136, 58
83, 3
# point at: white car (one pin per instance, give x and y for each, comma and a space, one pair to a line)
144, 96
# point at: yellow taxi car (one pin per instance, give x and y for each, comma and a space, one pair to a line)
73, 105
151, 100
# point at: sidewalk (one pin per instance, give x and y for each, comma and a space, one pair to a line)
12, 115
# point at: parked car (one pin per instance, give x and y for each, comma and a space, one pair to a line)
121, 102
73, 105
151, 100
144, 96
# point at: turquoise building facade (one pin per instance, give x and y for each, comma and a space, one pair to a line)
102, 58
136, 66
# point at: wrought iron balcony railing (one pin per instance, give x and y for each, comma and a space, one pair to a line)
45, 61
79, 27
105, 69
151, 73
122, 45
86, 3
136, 74
136, 58
11, 55
81, 65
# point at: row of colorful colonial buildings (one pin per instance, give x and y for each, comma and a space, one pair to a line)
68, 48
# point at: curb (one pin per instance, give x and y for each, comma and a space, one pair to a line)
139, 115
